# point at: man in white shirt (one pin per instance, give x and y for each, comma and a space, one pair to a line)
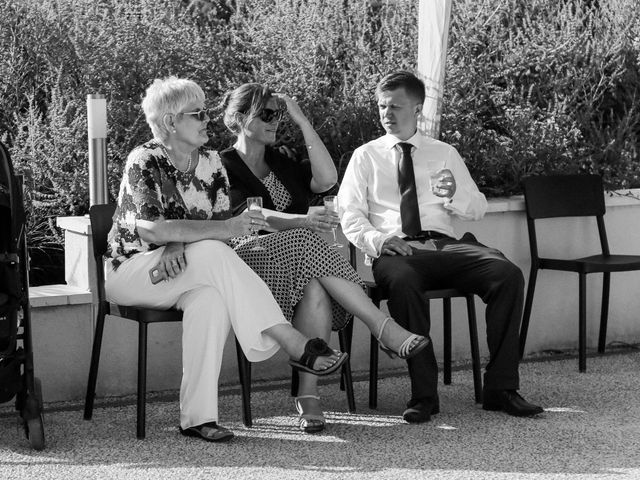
396, 200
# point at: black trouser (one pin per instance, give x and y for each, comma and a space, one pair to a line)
470, 267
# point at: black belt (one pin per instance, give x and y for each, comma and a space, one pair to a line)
426, 235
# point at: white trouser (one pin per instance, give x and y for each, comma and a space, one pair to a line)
216, 291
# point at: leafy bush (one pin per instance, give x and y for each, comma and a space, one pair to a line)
535, 86
544, 86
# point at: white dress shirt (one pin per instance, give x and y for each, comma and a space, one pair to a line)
369, 196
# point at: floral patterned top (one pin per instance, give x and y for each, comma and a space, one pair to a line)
153, 189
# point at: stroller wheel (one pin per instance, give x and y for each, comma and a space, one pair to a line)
35, 432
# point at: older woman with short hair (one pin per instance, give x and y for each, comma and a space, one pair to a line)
172, 222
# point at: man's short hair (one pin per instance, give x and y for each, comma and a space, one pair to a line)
402, 79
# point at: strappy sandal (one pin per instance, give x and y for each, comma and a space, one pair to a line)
309, 422
210, 432
314, 348
406, 350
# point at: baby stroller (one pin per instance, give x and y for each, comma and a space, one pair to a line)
16, 351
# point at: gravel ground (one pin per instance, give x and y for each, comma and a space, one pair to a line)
590, 429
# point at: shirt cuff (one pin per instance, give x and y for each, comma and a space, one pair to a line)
373, 244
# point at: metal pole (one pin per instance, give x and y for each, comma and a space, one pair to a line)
97, 133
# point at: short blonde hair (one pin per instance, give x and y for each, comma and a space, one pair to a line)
168, 95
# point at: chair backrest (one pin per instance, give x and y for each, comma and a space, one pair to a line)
548, 196
101, 217
553, 196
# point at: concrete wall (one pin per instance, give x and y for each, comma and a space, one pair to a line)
63, 332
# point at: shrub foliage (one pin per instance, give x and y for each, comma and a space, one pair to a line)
537, 86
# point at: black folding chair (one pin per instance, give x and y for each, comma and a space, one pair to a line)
377, 296
572, 196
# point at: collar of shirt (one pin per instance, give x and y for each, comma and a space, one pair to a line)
390, 141
428, 156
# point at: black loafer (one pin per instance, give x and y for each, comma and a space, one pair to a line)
420, 411
509, 401
209, 432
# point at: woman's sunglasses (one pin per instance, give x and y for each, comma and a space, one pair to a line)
267, 115
202, 114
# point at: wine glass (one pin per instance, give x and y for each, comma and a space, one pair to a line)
331, 204
435, 179
255, 204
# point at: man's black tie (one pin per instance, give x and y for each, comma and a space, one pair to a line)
409, 212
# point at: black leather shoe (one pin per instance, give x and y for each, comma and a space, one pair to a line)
509, 401
420, 411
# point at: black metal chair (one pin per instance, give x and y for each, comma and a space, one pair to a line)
101, 221
377, 296
556, 196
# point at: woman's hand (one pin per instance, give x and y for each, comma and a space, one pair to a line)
321, 220
172, 261
247, 222
323, 170
292, 108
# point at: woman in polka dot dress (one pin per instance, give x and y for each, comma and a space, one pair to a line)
313, 283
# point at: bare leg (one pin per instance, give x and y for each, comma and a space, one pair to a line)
355, 301
313, 319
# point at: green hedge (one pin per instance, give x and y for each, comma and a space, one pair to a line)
543, 85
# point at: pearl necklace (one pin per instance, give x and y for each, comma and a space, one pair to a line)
166, 152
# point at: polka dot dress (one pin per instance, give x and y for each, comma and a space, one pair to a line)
291, 258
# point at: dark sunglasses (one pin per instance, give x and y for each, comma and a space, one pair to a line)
268, 115
202, 114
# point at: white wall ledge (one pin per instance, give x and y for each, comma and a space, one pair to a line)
58, 295
80, 225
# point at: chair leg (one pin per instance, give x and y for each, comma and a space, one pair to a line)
244, 367
351, 399
142, 380
475, 350
95, 361
524, 328
373, 373
295, 382
345, 337
602, 338
446, 318
346, 380
373, 358
582, 323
